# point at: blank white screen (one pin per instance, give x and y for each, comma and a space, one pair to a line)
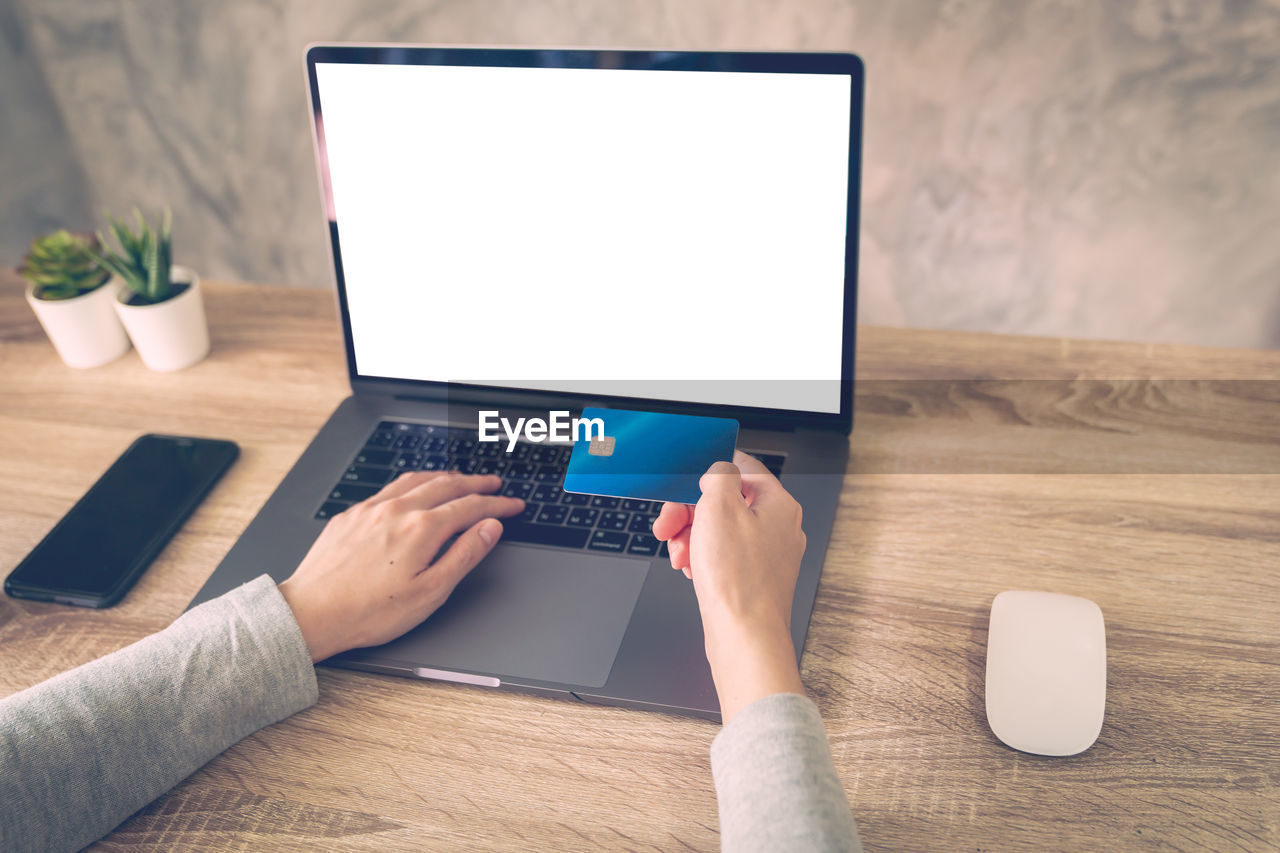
563, 229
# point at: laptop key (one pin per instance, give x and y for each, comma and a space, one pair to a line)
552, 514
367, 474
612, 520
464, 464
488, 450
546, 494
530, 512
544, 453
435, 444
635, 505
518, 489
435, 462
642, 544
352, 492
544, 534
603, 502
408, 462
408, 441
521, 451
519, 471
462, 446
641, 523
575, 499
549, 474
772, 462
581, 516
607, 540
331, 508
374, 456
381, 438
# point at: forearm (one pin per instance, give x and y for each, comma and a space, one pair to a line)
82, 751
776, 784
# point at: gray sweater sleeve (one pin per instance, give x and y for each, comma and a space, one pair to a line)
84, 750
775, 781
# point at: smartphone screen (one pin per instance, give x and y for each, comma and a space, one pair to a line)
95, 553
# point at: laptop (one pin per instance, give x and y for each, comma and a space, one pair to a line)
537, 231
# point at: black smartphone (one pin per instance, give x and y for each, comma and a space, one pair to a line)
98, 549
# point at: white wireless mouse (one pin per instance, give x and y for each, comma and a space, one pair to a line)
1046, 672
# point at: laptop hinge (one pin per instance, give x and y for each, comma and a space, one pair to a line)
543, 401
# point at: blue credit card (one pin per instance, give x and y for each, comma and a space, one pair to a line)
647, 455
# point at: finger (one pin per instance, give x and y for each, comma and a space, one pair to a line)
671, 520
751, 466
404, 483
679, 552
758, 482
678, 555
459, 514
721, 483
463, 555
442, 490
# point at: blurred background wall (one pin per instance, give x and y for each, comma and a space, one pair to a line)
1090, 169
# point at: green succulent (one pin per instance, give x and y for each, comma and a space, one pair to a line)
144, 257
62, 265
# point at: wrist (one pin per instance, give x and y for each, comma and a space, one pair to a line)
751, 660
313, 634
735, 634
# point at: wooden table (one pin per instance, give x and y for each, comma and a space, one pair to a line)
1160, 500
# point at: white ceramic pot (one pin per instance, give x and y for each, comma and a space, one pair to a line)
84, 330
168, 335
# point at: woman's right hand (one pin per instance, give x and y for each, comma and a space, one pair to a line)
380, 567
741, 546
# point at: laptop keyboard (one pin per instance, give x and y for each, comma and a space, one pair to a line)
533, 472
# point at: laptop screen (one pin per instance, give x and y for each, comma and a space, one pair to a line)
679, 234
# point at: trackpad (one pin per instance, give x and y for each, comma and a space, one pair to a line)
532, 613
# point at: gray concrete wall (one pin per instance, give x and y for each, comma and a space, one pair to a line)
1091, 169
42, 187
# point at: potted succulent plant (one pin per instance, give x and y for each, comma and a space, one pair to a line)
160, 304
72, 299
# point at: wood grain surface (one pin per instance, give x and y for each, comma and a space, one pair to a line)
1146, 478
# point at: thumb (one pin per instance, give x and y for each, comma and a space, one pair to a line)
723, 481
468, 549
